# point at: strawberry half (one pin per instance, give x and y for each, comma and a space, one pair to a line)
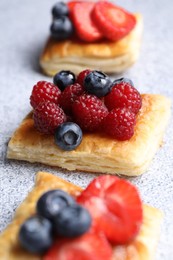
90, 246
114, 22
115, 206
71, 4
81, 17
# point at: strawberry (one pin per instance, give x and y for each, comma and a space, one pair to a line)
71, 4
115, 206
90, 246
113, 21
81, 17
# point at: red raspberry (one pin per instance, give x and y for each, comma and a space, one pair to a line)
47, 117
44, 91
124, 95
89, 111
119, 123
81, 76
69, 95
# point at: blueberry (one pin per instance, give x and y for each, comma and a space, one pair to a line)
61, 28
60, 9
52, 202
35, 234
63, 79
68, 136
121, 80
72, 221
97, 83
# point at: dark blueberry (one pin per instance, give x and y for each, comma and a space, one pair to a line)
61, 28
97, 83
52, 202
72, 221
60, 9
121, 80
68, 136
35, 235
63, 79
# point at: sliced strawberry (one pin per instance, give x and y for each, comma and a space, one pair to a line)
71, 4
113, 21
115, 206
81, 17
90, 246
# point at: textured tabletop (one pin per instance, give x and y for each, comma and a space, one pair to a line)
24, 29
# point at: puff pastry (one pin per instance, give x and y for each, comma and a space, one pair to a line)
97, 152
110, 57
141, 248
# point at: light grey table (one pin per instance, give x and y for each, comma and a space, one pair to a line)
24, 29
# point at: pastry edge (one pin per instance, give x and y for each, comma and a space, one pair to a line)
94, 162
126, 54
119, 65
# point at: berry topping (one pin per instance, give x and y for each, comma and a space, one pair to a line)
35, 234
68, 96
61, 28
68, 136
123, 80
119, 123
89, 111
115, 207
92, 104
44, 91
52, 202
47, 117
71, 4
84, 25
124, 95
90, 246
113, 21
60, 9
97, 83
81, 76
72, 221
63, 79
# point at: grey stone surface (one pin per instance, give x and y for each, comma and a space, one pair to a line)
24, 29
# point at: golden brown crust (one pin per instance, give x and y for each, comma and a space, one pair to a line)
104, 55
141, 248
97, 152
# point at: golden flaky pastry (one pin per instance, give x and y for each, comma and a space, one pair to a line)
142, 248
111, 57
98, 152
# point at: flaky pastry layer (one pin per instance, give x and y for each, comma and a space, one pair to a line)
98, 152
141, 248
110, 57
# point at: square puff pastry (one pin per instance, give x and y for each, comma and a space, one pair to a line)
110, 57
97, 152
141, 248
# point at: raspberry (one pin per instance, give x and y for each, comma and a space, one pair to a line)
124, 95
47, 117
44, 91
89, 111
81, 76
119, 123
69, 95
